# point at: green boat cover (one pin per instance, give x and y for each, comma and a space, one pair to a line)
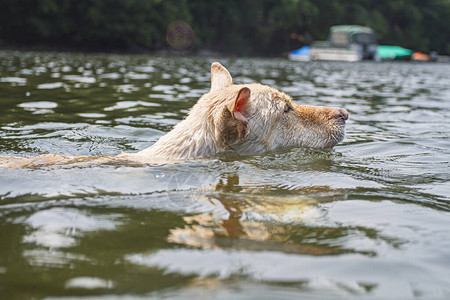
392, 52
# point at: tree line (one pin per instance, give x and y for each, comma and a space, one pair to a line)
242, 27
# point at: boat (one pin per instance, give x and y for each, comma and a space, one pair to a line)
302, 54
345, 43
393, 53
419, 56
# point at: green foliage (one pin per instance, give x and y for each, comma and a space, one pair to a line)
267, 27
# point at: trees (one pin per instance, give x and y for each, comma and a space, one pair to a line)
245, 27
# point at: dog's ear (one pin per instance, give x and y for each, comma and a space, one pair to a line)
231, 126
220, 77
241, 105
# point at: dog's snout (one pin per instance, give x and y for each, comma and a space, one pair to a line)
341, 113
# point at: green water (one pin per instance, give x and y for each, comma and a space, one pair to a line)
368, 219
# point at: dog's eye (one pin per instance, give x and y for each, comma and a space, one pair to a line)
288, 108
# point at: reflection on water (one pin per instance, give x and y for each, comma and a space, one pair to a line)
369, 218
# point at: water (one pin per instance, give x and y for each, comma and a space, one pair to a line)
370, 218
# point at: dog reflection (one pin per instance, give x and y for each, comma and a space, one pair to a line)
253, 220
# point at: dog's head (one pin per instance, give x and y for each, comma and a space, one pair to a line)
254, 118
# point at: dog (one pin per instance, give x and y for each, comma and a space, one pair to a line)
245, 119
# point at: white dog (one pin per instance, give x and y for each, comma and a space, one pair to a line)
246, 119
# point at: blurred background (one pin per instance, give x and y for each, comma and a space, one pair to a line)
244, 27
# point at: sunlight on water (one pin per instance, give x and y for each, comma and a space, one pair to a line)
370, 218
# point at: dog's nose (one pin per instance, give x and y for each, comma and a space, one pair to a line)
341, 113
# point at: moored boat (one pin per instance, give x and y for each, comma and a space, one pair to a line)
345, 43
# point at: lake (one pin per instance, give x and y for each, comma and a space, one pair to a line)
367, 219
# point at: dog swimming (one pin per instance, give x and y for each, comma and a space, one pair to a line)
244, 119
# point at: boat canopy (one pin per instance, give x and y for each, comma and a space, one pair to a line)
351, 29
348, 34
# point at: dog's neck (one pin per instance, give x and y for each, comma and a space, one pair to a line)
191, 138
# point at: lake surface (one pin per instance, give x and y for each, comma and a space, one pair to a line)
368, 219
